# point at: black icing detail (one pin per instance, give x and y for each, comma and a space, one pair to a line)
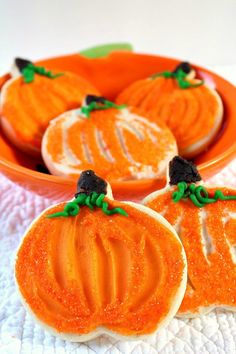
184, 66
92, 98
89, 182
181, 170
21, 63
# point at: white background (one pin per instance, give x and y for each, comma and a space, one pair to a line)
202, 31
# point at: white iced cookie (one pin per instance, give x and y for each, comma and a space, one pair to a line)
116, 141
205, 219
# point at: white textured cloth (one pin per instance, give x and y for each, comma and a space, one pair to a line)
213, 333
210, 334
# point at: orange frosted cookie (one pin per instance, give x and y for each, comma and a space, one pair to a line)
96, 265
205, 220
191, 109
116, 141
33, 97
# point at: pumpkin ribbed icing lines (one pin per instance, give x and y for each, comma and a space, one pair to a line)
120, 144
94, 270
194, 115
208, 234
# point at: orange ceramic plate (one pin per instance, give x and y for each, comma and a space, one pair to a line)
110, 75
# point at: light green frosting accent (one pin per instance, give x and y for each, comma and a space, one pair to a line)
103, 50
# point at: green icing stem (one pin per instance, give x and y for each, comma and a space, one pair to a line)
202, 195
30, 70
93, 106
219, 195
92, 200
195, 201
198, 194
180, 77
177, 195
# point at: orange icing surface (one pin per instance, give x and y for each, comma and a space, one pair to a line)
116, 147
29, 107
189, 113
211, 273
78, 273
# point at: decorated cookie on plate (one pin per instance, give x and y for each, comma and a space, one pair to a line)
34, 96
116, 141
205, 220
191, 109
95, 265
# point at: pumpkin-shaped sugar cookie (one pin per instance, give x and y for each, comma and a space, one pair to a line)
191, 109
116, 141
35, 96
96, 265
205, 220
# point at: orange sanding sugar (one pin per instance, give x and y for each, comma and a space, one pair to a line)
96, 270
118, 144
189, 113
208, 235
28, 107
